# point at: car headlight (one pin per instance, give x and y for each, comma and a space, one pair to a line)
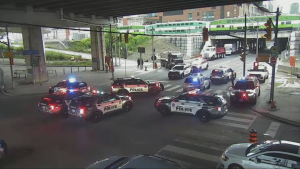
250, 94
224, 157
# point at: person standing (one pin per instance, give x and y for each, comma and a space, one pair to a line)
232, 79
138, 63
106, 67
142, 63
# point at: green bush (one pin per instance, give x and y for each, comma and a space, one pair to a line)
54, 56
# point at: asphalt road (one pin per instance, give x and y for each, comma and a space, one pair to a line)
36, 141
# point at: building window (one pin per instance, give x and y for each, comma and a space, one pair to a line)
193, 10
208, 16
190, 16
198, 13
228, 14
213, 7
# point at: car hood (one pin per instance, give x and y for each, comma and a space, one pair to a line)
171, 71
166, 98
237, 149
105, 162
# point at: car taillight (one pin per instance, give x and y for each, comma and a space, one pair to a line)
157, 84
244, 95
219, 108
81, 111
51, 107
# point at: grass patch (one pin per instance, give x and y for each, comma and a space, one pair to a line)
70, 63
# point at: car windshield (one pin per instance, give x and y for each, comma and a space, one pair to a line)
227, 47
244, 85
178, 68
191, 80
72, 85
257, 148
178, 61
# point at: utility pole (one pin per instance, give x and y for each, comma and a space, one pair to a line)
115, 37
153, 48
273, 66
257, 40
119, 51
111, 51
11, 68
245, 48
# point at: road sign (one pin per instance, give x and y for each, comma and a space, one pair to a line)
273, 60
34, 62
273, 49
263, 58
141, 49
292, 61
30, 52
9, 54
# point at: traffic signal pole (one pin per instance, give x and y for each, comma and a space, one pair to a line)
245, 48
273, 66
111, 51
11, 68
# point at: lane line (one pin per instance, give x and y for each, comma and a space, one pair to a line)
272, 130
192, 153
230, 124
251, 122
236, 119
172, 88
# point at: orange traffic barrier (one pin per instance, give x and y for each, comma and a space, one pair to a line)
253, 136
273, 106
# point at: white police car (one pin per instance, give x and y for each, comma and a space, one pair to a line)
203, 105
271, 154
70, 85
123, 86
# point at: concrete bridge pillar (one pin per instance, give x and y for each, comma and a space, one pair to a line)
35, 63
98, 48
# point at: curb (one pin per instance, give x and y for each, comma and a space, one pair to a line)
267, 114
5, 92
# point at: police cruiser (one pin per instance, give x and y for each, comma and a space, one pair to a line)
70, 84
94, 106
57, 103
203, 105
196, 81
246, 89
124, 86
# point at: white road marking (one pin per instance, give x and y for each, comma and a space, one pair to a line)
242, 115
251, 122
166, 86
206, 91
185, 164
180, 90
218, 91
236, 119
272, 130
230, 124
192, 153
172, 88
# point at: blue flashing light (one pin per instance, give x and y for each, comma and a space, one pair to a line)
72, 80
72, 90
195, 79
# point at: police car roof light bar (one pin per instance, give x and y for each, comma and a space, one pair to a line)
72, 80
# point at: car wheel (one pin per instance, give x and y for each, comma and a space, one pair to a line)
206, 67
235, 166
208, 87
181, 76
164, 111
267, 77
204, 116
123, 92
255, 100
96, 117
264, 80
259, 92
127, 107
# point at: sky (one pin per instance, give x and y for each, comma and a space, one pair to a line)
286, 4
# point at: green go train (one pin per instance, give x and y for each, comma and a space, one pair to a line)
224, 26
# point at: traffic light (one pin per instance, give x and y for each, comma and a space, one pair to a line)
205, 34
11, 61
268, 30
126, 38
255, 65
242, 57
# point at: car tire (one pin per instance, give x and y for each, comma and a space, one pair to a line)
235, 166
204, 116
164, 110
96, 117
263, 81
259, 92
267, 77
206, 68
208, 87
255, 100
181, 76
127, 106
123, 92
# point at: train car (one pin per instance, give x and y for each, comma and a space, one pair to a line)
129, 29
177, 28
223, 26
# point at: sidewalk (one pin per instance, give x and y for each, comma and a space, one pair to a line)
286, 97
93, 78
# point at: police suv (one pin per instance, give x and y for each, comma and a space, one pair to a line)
203, 105
222, 74
94, 106
245, 90
57, 103
123, 86
70, 84
196, 81
179, 71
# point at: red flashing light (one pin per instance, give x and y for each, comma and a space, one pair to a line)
46, 98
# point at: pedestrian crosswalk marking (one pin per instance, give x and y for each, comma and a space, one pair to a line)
172, 88
273, 129
205, 146
237, 119
242, 114
191, 153
230, 124
166, 86
180, 90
